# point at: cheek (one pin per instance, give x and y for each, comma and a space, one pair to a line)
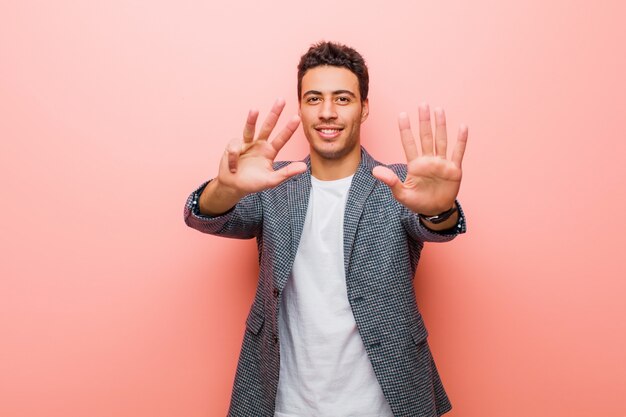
306, 117
356, 119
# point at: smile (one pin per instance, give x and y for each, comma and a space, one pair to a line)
329, 133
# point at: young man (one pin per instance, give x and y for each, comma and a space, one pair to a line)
334, 328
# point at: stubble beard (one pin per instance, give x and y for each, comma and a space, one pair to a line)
337, 154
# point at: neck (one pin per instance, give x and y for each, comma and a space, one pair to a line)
335, 169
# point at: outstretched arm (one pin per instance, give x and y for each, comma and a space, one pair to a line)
433, 181
247, 164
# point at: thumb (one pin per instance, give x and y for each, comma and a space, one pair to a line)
388, 177
286, 172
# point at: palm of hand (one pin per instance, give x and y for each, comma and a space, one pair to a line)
247, 165
432, 181
431, 184
254, 168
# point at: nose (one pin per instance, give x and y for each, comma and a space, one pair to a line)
327, 110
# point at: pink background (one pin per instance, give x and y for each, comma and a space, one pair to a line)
112, 112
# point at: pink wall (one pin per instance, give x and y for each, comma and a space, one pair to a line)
112, 112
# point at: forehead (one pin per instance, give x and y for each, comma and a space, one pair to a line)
327, 79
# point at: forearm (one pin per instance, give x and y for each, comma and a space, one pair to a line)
217, 199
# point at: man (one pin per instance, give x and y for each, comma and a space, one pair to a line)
334, 328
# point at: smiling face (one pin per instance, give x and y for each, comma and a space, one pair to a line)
332, 112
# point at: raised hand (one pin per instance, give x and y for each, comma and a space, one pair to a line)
433, 181
247, 164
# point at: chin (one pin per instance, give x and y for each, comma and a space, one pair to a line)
334, 154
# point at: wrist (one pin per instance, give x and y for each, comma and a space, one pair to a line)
224, 191
217, 198
439, 217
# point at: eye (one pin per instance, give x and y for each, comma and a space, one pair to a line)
343, 100
313, 100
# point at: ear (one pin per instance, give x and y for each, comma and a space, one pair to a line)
365, 110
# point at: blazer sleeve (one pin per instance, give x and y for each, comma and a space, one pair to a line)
418, 231
414, 227
241, 222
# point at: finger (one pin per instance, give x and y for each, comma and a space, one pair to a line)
285, 134
426, 133
406, 136
459, 148
388, 177
286, 172
233, 149
441, 134
248, 130
271, 119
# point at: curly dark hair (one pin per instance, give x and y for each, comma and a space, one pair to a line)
336, 55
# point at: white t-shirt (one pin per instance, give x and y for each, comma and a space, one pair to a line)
324, 369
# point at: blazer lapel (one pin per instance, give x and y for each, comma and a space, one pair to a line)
362, 185
299, 190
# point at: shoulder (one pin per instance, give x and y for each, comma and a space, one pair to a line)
286, 184
280, 164
399, 169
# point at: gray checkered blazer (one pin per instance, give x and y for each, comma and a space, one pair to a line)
382, 245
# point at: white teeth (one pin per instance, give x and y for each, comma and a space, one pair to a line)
329, 131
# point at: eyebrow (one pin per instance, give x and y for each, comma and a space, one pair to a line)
334, 93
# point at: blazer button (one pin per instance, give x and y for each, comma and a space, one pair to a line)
276, 292
275, 339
